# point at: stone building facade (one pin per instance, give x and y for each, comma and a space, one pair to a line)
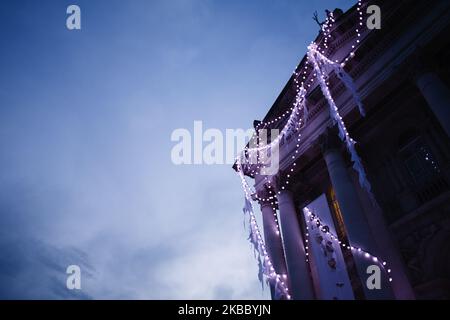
402, 74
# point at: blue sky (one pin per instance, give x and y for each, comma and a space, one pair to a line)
85, 122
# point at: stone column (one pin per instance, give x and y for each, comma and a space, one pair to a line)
401, 286
272, 236
358, 229
435, 93
298, 269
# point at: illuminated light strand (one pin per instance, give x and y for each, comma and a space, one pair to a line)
297, 74
307, 244
311, 217
288, 112
255, 231
299, 105
266, 268
291, 123
271, 199
296, 113
326, 30
358, 32
273, 203
315, 56
282, 185
259, 246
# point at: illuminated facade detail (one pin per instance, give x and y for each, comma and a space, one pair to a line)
391, 209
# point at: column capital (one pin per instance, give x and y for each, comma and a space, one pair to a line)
278, 182
264, 194
329, 140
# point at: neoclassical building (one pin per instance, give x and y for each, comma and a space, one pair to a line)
401, 72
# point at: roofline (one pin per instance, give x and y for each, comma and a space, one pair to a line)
288, 85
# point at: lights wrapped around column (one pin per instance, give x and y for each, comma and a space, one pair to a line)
266, 269
297, 266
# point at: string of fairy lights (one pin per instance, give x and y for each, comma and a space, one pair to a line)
312, 219
266, 267
316, 68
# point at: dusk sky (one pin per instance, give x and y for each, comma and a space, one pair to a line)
86, 117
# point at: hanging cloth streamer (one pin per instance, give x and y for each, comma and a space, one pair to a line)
318, 60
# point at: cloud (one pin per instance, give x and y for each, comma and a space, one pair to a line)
185, 249
32, 269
